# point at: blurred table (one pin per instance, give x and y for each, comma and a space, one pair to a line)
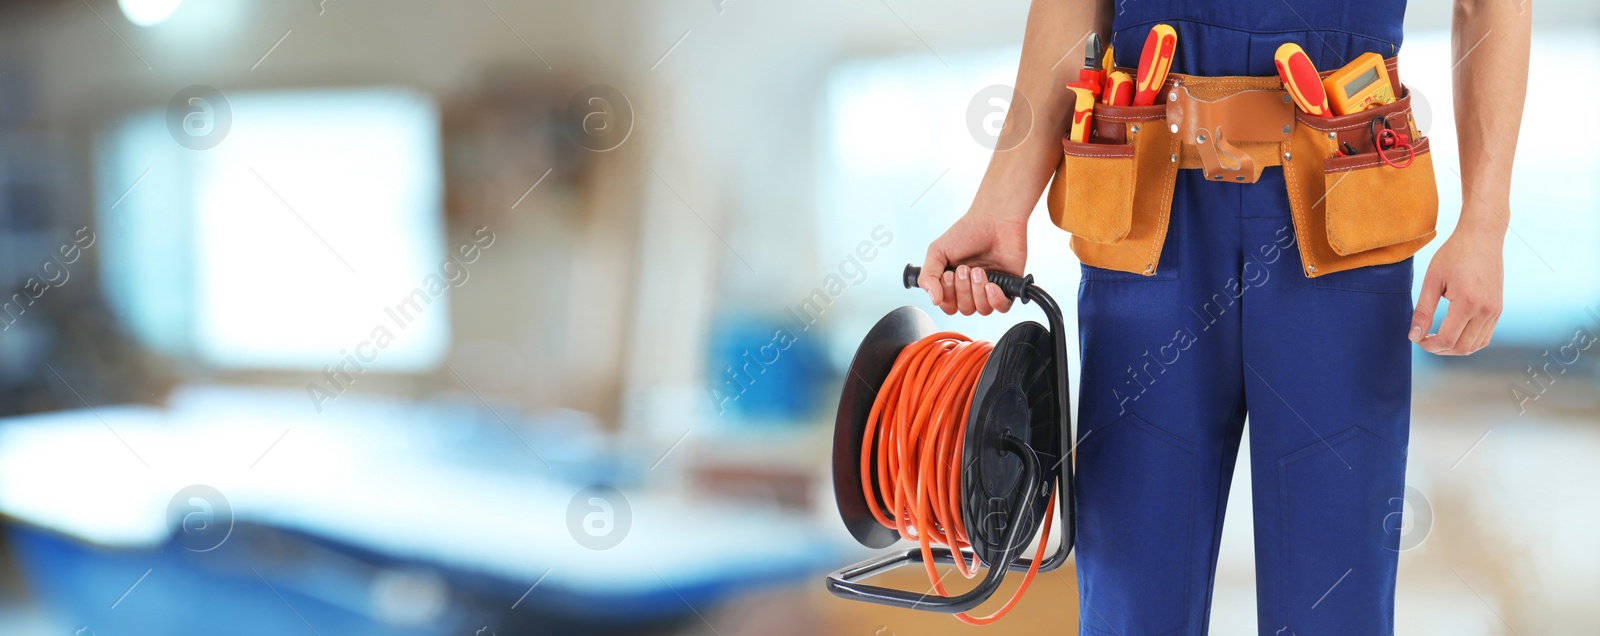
374, 517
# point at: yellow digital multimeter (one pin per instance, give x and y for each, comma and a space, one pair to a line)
1361, 84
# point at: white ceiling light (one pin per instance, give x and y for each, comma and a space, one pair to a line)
148, 12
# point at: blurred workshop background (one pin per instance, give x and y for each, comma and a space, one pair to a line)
502, 317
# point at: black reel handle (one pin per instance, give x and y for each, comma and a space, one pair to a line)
1014, 287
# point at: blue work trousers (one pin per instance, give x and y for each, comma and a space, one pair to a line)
1172, 365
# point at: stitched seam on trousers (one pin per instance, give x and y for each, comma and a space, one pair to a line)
1283, 543
1332, 442
1355, 431
1188, 549
1334, 287
1189, 561
1134, 424
1216, 538
1284, 537
1224, 477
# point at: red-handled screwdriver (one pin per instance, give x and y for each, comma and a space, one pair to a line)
1300, 78
1154, 62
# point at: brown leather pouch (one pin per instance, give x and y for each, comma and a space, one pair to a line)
1357, 210
1114, 194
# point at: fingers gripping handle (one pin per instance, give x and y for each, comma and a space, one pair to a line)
1014, 287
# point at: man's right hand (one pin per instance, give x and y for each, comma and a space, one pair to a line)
976, 243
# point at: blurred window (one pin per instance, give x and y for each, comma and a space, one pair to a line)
336, 192
905, 141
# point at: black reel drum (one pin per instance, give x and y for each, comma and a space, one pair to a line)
1018, 433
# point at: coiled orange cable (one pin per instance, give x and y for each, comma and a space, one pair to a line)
916, 430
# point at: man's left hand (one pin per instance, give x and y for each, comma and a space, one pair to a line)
1468, 270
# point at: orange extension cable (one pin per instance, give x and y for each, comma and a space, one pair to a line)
916, 429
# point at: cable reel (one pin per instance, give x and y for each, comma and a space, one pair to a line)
895, 473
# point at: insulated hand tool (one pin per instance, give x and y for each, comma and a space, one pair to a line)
1361, 84
1154, 62
1118, 90
1090, 76
1299, 76
1082, 114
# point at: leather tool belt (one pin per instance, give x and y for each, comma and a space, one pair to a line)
1114, 194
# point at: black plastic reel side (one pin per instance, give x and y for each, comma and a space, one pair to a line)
1015, 397
868, 369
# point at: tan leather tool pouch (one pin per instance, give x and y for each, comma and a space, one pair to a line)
1357, 210
1114, 194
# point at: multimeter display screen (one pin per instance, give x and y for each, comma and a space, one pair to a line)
1360, 82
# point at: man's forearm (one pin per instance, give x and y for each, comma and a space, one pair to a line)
1489, 43
1052, 54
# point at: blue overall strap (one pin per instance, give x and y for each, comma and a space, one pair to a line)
1238, 37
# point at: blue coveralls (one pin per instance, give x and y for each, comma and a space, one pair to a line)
1230, 326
